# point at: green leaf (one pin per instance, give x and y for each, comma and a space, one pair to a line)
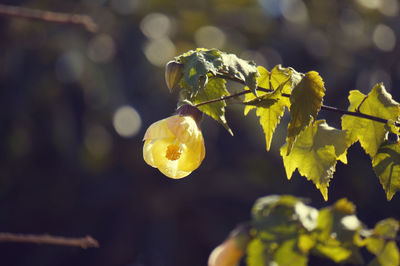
242, 69
306, 101
214, 89
386, 165
391, 127
369, 133
382, 245
270, 106
200, 62
196, 66
315, 153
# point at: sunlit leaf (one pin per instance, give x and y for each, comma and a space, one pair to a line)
315, 153
369, 133
214, 89
386, 165
270, 106
196, 66
242, 69
198, 63
391, 127
306, 101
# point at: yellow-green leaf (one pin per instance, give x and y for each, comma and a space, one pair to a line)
315, 153
391, 127
369, 133
386, 165
270, 106
214, 89
306, 101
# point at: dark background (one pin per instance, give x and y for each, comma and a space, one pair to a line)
67, 169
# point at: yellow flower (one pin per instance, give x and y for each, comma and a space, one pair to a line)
174, 145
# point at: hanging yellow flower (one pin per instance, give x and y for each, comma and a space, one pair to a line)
175, 144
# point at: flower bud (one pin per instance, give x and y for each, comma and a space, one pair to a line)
173, 74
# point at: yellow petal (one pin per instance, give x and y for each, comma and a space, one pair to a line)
147, 153
184, 128
192, 157
167, 167
158, 130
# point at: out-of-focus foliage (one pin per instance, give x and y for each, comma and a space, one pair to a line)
286, 231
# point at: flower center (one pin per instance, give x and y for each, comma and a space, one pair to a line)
173, 152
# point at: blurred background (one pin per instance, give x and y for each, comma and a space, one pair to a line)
74, 106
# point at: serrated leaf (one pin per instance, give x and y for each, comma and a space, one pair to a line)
391, 127
214, 89
386, 164
369, 133
242, 69
306, 101
197, 63
270, 106
315, 153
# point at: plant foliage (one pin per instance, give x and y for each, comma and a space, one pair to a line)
312, 146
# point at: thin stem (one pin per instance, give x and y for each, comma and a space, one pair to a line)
82, 242
323, 107
49, 16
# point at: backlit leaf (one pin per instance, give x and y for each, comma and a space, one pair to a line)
369, 133
306, 101
315, 153
214, 89
271, 106
386, 165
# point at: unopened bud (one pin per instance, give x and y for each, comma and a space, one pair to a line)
173, 74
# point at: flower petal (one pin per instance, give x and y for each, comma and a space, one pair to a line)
184, 128
167, 167
158, 130
147, 153
192, 156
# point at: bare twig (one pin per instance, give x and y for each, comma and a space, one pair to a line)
49, 16
83, 242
